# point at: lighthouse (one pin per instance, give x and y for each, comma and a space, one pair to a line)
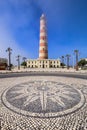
43, 46
43, 61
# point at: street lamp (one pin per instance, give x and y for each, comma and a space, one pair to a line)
73, 60
68, 59
24, 58
9, 50
62, 61
18, 59
77, 54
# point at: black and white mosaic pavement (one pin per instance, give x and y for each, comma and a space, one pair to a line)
43, 98
43, 103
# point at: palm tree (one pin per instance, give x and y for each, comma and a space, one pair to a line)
18, 59
68, 59
77, 54
9, 50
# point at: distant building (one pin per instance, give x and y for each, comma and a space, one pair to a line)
84, 59
3, 63
43, 61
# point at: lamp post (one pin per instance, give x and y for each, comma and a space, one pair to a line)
9, 50
62, 61
18, 59
24, 58
73, 61
77, 54
68, 59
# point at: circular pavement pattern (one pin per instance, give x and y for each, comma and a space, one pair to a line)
43, 99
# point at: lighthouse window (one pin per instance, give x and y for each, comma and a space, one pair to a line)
43, 49
44, 37
44, 28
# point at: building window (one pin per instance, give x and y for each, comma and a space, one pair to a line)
44, 28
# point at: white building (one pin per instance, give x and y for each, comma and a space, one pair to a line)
45, 63
85, 59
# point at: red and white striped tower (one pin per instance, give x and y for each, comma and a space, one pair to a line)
43, 48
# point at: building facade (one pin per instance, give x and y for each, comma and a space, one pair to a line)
85, 59
3, 63
43, 61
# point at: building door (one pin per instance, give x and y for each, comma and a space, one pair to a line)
43, 65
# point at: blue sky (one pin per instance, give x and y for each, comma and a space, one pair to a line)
66, 27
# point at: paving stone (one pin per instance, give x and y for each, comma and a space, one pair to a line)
43, 103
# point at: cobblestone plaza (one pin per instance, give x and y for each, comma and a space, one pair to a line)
43, 103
